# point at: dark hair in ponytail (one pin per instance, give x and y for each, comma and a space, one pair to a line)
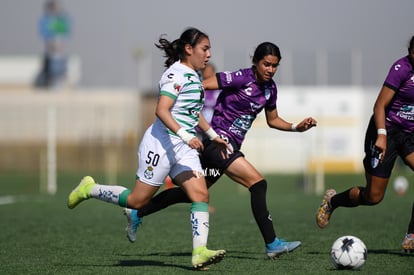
411, 44
175, 50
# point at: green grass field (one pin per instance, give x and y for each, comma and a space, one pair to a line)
40, 235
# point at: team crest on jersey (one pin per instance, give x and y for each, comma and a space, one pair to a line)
254, 106
267, 94
149, 173
177, 87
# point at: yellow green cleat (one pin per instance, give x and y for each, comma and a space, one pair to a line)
203, 257
81, 192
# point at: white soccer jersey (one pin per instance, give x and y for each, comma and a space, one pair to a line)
161, 151
183, 84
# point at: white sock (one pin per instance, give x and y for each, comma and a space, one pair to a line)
108, 193
200, 227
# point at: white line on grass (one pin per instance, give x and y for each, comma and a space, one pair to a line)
7, 200
10, 199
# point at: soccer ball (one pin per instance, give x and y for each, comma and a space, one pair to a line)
348, 252
400, 185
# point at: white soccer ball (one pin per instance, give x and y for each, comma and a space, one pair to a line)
348, 252
400, 185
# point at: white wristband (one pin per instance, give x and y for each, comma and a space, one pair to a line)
184, 135
294, 127
382, 131
211, 134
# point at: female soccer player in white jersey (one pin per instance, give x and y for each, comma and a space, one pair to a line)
170, 146
245, 93
390, 134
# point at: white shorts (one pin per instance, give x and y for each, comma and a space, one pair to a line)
161, 154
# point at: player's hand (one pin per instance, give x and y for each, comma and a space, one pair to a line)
306, 124
225, 148
195, 143
381, 146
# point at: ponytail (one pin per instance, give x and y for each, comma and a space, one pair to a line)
175, 50
170, 49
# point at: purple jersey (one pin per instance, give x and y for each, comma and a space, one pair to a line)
241, 99
210, 98
400, 79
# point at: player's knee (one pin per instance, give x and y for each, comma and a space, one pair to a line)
137, 204
260, 186
204, 196
374, 199
199, 196
372, 196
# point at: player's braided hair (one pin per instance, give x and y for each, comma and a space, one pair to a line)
175, 50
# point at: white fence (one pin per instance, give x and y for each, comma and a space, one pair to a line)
75, 116
50, 119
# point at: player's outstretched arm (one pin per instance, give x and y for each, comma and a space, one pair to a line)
275, 121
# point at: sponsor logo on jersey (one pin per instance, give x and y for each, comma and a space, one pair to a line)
248, 90
177, 87
228, 77
194, 112
254, 107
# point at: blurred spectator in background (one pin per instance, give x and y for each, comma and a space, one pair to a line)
54, 29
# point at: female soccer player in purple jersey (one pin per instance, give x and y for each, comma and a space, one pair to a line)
245, 93
390, 133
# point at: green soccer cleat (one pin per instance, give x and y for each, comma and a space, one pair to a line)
81, 192
203, 257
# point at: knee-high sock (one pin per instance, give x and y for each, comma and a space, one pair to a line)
260, 211
411, 225
110, 193
344, 199
199, 223
164, 199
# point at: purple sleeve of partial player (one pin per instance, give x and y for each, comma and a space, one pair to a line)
397, 73
400, 111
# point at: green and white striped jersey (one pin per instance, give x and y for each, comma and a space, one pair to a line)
183, 84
